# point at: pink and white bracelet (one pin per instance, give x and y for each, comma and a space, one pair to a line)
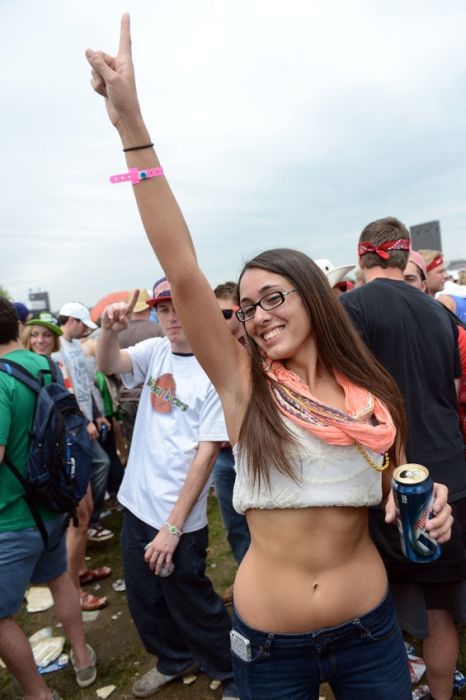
135, 176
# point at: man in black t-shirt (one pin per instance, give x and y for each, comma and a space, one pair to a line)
414, 338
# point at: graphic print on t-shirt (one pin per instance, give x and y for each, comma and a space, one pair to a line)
163, 395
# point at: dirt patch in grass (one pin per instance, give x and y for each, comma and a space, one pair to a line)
121, 657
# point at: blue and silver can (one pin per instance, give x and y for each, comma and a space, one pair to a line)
413, 494
103, 433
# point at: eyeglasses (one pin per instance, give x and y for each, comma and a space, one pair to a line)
269, 302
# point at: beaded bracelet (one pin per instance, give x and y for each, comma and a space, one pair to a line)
172, 529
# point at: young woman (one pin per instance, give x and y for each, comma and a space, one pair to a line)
41, 335
314, 421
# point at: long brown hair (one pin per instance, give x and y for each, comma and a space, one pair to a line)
264, 439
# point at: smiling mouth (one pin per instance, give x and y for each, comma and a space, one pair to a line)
272, 334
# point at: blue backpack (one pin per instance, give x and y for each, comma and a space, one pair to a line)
60, 456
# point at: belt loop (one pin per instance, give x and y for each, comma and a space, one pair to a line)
358, 624
268, 644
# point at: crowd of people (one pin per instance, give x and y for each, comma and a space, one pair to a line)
295, 391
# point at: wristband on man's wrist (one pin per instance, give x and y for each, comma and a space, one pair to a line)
172, 529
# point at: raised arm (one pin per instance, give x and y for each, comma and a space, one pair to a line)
110, 359
224, 359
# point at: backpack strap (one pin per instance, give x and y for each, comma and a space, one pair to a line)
53, 367
21, 374
32, 506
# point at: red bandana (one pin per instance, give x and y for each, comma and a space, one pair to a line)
435, 263
381, 250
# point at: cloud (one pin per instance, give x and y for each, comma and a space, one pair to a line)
277, 124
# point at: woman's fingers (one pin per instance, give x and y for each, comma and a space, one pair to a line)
100, 65
98, 84
124, 48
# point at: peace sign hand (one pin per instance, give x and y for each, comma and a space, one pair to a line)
113, 78
116, 316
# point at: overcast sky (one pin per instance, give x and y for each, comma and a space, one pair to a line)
277, 123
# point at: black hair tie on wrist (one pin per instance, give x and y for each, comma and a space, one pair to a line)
138, 148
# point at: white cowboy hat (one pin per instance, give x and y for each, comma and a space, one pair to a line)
334, 274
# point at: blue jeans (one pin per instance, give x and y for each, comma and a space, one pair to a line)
235, 524
24, 559
180, 618
362, 659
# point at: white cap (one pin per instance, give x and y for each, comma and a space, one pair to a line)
334, 274
72, 308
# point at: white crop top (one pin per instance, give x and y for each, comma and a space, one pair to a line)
326, 475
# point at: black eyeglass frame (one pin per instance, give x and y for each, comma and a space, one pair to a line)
242, 313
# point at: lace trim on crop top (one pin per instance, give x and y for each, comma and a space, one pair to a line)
327, 475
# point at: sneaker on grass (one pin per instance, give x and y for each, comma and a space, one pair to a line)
85, 676
152, 681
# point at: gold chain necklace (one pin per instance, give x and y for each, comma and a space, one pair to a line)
370, 461
359, 447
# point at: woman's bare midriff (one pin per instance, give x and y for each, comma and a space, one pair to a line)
308, 568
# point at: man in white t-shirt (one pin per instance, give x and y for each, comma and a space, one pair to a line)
177, 435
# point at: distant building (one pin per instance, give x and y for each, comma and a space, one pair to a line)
426, 236
38, 302
458, 264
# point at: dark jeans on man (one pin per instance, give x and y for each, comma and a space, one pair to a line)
180, 618
117, 470
235, 524
128, 410
99, 476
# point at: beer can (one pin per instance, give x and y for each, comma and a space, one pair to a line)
103, 433
413, 494
167, 570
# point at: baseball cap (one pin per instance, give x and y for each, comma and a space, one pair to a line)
76, 310
21, 310
334, 274
160, 292
47, 321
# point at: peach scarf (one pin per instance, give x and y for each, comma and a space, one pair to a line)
365, 419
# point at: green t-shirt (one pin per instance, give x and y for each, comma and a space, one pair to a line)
17, 407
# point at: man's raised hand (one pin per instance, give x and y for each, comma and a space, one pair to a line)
116, 316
